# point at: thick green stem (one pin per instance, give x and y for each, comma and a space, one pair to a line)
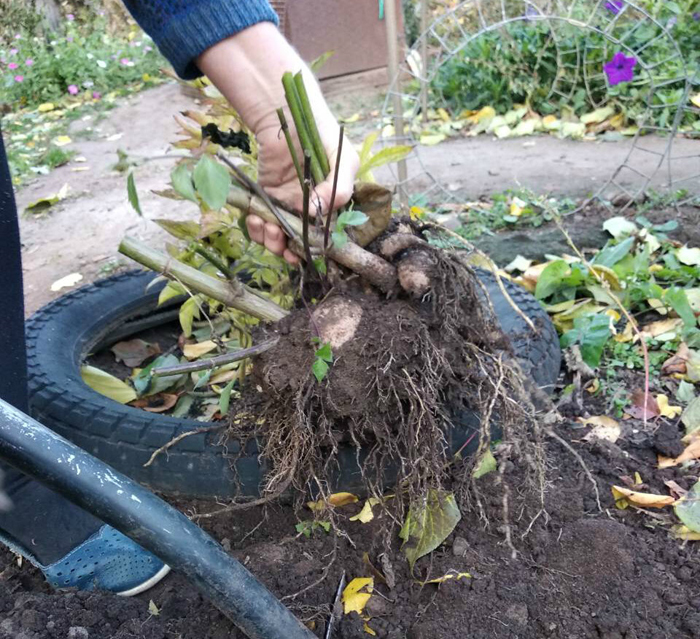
310, 121
294, 102
290, 144
214, 259
231, 293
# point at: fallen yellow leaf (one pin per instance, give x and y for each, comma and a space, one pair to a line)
354, 600
627, 335
62, 140
666, 409
486, 113
335, 500
685, 533
662, 327
624, 497
66, 282
369, 630
452, 574
605, 428
45, 107
193, 351
696, 100
366, 515
691, 452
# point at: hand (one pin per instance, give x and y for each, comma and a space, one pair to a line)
260, 55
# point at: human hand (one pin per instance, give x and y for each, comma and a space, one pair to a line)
260, 56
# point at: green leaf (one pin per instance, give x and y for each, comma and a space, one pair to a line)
325, 353
428, 524
385, 156
551, 278
170, 291
145, 384
611, 255
487, 464
181, 230
182, 408
188, 311
225, 397
133, 195
691, 416
107, 385
591, 333
620, 227
319, 369
212, 181
688, 508
320, 265
686, 394
350, 218
340, 238
677, 299
317, 64
181, 179
203, 379
366, 150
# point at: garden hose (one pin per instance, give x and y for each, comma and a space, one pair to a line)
149, 521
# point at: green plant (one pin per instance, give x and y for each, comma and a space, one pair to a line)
323, 357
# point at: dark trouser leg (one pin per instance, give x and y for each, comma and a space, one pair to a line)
41, 521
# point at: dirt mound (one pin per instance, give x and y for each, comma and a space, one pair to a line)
579, 574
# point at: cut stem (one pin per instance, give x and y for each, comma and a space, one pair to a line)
215, 362
310, 121
294, 102
327, 234
306, 190
290, 144
232, 293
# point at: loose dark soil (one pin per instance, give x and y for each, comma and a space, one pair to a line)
580, 573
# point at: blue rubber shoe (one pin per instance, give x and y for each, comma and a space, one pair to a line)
107, 561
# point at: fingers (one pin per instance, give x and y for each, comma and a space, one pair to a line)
271, 237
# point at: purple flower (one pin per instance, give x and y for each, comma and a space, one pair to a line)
530, 13
29, 62
96, 95
69, 38
12, 66
73, 90
615, 6
13, 51
672, 21
19, 78
147, 48
696, 16
70, 17
620, 69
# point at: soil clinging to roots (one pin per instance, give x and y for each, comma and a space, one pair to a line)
405, 368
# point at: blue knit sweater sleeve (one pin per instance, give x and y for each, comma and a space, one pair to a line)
183, 29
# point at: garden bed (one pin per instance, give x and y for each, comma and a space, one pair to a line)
579, 573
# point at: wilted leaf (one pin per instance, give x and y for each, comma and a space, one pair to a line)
47, 201
366, 515
61, 140
153, 609
641, 410
598, 116
186, 230
368, 630
107, 385
487, 464
619, 227
677, 363
667, 327
134, 352
685, 533
387, 155
336, 500
428, 524
195, 351
665, 409
688, 256
431, 139
691, 452
695, 99
624, 497
688, 509
212, 181
520, 263
356, 594
156, 403
605, 428
188, 311
451, 575
66, 282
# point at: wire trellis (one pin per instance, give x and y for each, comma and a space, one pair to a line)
585, 34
